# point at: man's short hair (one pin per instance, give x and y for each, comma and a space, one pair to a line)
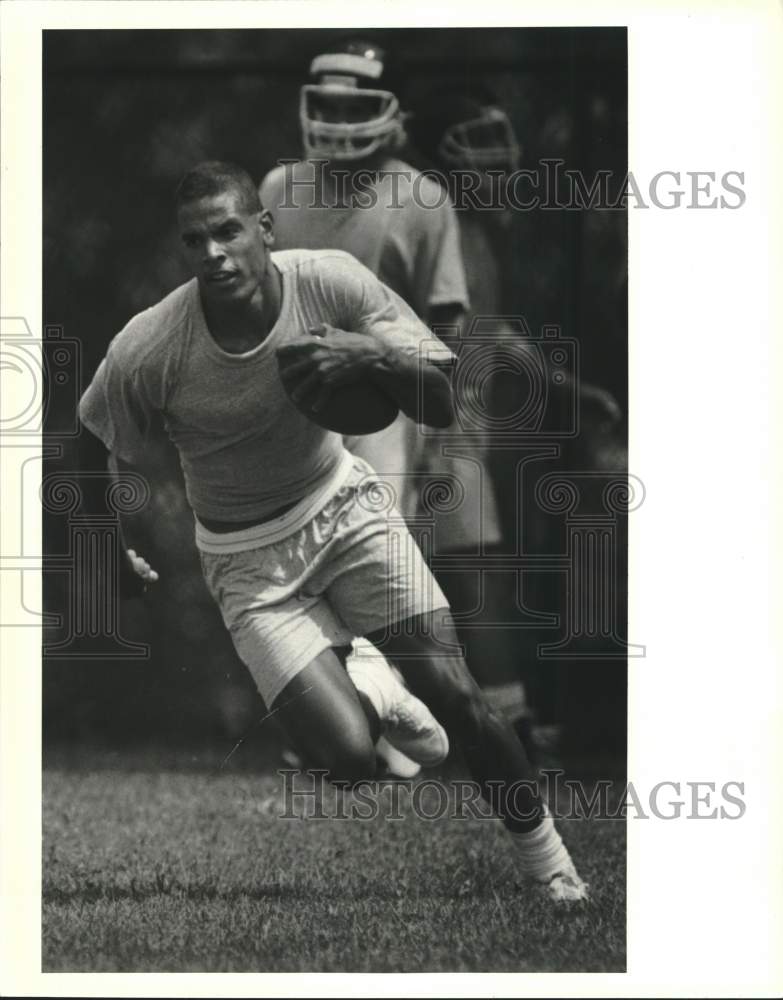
214, 177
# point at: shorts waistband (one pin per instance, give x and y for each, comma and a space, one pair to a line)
278, 528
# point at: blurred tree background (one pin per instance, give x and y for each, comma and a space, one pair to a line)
125, 114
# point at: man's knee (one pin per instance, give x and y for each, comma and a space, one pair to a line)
461, 706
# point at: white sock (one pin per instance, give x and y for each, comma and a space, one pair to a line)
369, 679
542, 854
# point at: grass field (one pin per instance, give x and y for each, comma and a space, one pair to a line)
192, 870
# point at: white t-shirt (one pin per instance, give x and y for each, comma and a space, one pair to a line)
245, 449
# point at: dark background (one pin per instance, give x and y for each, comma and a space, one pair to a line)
125, 113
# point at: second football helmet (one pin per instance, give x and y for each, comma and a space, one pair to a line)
483, 142
465, 133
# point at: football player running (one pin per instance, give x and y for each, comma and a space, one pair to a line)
293, 545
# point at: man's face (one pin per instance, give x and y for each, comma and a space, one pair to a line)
225, 245
345, 108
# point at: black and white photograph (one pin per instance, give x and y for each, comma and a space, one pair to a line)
337, 530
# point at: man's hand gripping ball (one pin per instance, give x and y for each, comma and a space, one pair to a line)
327, 376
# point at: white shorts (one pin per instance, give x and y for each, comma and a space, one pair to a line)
338, 565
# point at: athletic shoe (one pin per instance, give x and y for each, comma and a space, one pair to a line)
406, 722
412, 729
395, 764
566, 887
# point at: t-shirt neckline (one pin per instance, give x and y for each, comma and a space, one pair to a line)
225, 356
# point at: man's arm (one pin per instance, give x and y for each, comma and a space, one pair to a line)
93, 457
368, 332
421, 389
329, 358
438, 411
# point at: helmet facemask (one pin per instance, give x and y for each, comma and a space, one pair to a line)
344, 122
482, 143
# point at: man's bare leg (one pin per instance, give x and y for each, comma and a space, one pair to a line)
334, 718
332, 726
492, 751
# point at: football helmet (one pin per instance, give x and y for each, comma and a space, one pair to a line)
483, 142
344, 113
462, 132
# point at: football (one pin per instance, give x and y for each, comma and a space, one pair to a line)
353, 409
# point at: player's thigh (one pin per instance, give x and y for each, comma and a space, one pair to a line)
322, 715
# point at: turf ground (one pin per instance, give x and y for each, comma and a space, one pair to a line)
194, 870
